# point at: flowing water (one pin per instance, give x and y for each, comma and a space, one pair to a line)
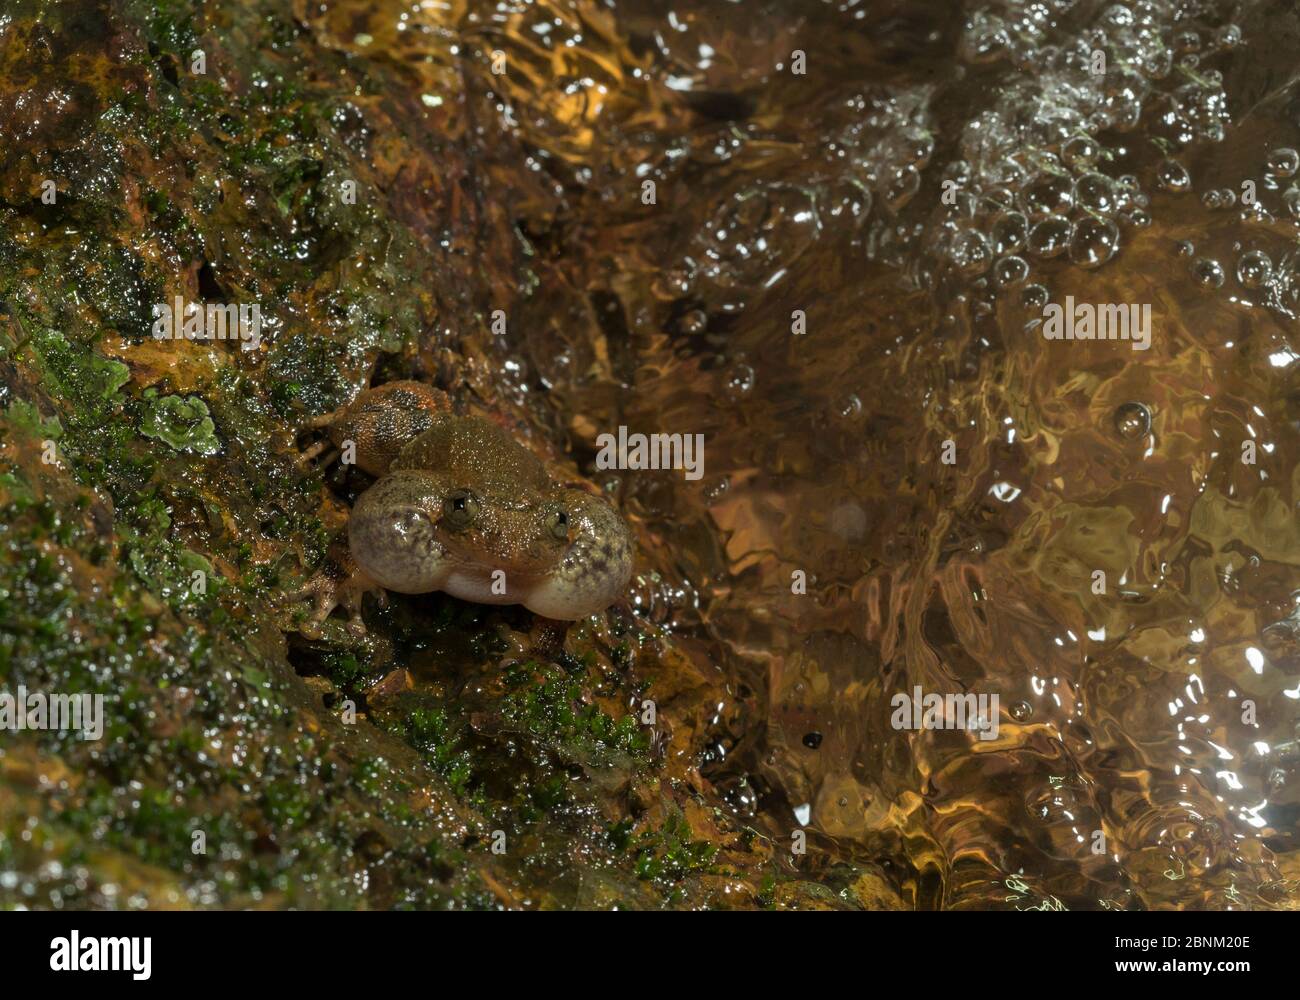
822, 236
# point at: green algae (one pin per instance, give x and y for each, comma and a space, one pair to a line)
24, 415
181, 421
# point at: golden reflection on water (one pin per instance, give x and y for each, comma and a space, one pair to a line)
1148, 751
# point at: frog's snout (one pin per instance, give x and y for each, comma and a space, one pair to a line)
594, 570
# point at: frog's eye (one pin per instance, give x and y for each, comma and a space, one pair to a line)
460, 509
557, 523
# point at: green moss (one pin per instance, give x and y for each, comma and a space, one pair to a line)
550, 704
431, 731
670, 854
345, 668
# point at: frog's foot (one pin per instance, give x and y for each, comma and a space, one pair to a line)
339, 583
307, 457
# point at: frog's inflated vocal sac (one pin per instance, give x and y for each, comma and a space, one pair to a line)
462, 507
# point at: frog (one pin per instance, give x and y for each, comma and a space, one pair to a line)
460, 506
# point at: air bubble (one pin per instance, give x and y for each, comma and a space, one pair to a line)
1256, 214
971, 252
1208, 273
965, 205
959, 172
1010, 271
1283, 162
755, 234
740, 380
1081, 152
1050, 237
902, 187
1007, 172
1124, 87
987, 207
675, 283
1001, 197
1093, 242
986, 39
1292, 201
1132, 421
1048, 194
1034, 297
1254, 269
1172, 176
1157, 64
1118, 16
1177, 129
1009, 233
917, 146
1228, 37
694, 322
1095, 193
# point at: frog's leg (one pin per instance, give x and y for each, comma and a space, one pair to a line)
373, 428
340, 582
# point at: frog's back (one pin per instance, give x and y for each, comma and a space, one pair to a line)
470, 449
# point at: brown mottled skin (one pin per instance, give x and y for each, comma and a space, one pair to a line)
460, 506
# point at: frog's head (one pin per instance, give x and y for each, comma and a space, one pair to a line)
561, 553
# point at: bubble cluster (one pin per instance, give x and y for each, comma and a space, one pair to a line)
757, 233
1040, 172
1219, 198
